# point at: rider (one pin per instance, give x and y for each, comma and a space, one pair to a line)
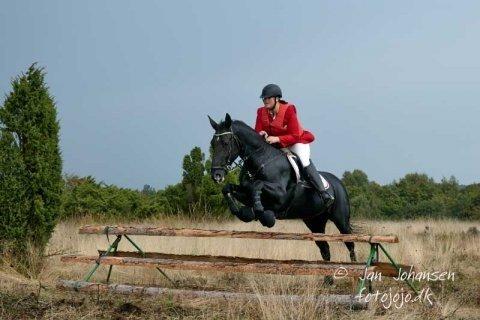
277, 121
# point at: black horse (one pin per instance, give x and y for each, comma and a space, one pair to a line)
268, 183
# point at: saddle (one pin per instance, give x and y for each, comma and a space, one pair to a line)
298, 168
295, 197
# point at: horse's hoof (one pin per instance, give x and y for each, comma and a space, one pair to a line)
267, 218
246, 214
328, 281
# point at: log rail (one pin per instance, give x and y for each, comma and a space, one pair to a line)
197, 233
180, 295
234, 264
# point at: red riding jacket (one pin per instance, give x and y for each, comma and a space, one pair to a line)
285, 126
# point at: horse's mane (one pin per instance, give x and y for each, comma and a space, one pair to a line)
240, 126
240, 122
245, 128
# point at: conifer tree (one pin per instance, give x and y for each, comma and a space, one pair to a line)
30, 165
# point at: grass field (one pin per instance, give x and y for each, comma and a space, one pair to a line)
444, 245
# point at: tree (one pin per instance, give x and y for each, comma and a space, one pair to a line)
357, 178
148, 190
362, 193
13, 204
31, 161
193, 172
467, 205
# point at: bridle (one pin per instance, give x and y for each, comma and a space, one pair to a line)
244, 159
228, 167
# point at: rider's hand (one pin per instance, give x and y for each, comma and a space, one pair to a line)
272, 139
263, 133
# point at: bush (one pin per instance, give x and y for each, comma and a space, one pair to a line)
414, 196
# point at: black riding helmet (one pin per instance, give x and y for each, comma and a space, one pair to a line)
271, 90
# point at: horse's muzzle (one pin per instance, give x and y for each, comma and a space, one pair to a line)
218, 175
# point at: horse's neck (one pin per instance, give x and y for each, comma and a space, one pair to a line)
252, 142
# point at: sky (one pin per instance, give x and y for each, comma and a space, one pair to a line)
388, 87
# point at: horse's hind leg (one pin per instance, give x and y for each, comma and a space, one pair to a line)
317, 225
341, 219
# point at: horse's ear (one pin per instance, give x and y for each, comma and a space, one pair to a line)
213, 123
228, 121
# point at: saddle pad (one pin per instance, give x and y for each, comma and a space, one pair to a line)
293, 163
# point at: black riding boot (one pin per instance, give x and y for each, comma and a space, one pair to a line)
314, 178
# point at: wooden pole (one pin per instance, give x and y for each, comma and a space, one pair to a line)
386, 269
182, 295
224, 264
155, 231
235, 264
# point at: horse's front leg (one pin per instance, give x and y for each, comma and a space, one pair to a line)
257, 187
266, 217
232, 192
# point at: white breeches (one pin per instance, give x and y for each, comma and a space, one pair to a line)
303, 152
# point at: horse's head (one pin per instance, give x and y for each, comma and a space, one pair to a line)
225, 148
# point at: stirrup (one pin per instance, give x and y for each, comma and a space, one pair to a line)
327, 198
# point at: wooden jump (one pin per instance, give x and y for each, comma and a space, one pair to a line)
182, 295
155, 231
232, 264
112, 257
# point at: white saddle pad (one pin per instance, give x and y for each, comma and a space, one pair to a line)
291, 159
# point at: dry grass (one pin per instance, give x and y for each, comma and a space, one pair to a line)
444, 245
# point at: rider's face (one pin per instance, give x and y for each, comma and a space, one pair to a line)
269, 103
